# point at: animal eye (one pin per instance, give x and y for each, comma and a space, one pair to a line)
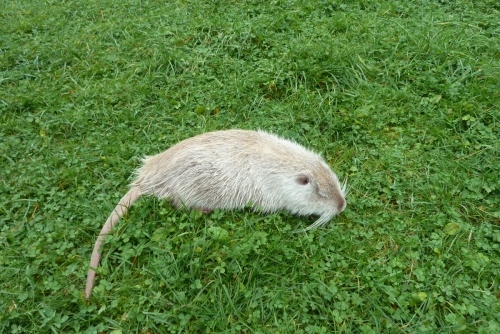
302, 180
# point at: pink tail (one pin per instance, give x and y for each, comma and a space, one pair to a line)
120, 209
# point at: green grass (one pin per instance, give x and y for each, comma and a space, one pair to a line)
400, 97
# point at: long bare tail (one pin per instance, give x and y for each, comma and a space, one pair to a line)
120, 209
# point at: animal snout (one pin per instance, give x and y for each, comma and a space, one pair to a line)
341, 204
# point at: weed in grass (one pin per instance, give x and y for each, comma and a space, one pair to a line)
401, 97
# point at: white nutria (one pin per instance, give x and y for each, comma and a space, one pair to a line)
229, 170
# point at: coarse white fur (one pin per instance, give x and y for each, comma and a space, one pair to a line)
229, 170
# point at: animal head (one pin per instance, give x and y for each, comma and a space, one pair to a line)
316, 191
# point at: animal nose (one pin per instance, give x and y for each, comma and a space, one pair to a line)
341, 204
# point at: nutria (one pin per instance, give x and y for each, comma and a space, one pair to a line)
231, 169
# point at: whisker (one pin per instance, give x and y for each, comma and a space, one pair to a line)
320, 222
344, 187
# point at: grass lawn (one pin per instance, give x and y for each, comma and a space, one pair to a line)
401, 97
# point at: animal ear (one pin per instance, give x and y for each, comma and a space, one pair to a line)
302, 179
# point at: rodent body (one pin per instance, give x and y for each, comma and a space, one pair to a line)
229, 170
